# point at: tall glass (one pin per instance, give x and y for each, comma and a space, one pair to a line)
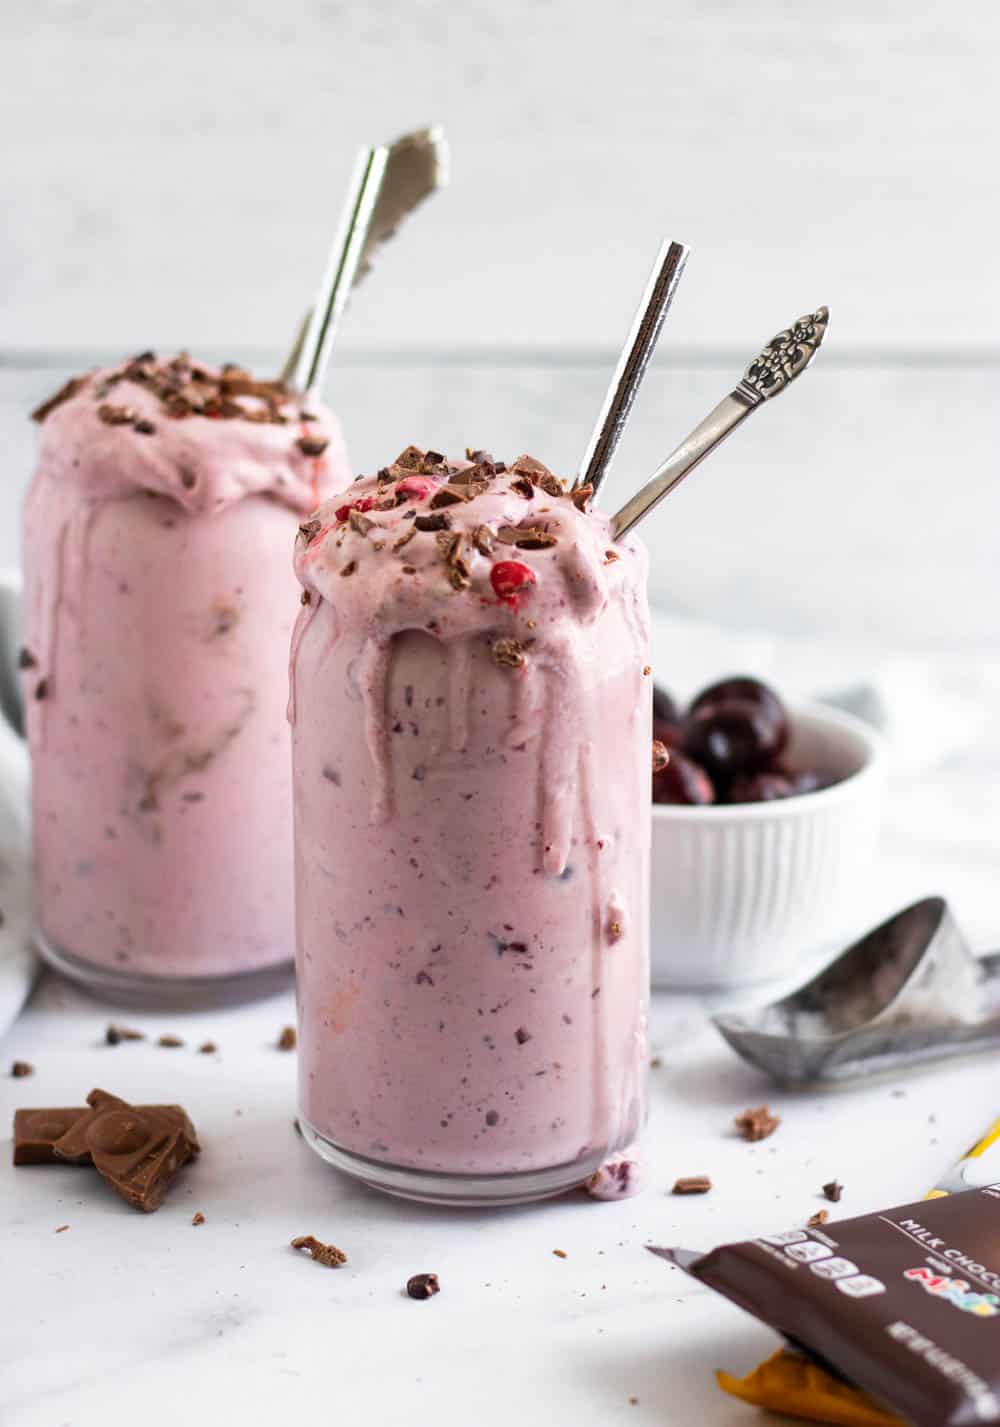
159, 599
471, 710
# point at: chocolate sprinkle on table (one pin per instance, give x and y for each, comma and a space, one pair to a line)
756, 1124
833, 1191
170, 1042
115, 1034
198, 1218
288, 1039
692, 1184
21, 1068
423, 1285
207, 1048
326, 1254
820, 1217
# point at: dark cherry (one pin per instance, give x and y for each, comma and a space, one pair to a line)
665, 707
682, 781
668, 733
751, 691
733, 737
760, 788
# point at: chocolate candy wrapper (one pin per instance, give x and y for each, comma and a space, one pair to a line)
904, 1305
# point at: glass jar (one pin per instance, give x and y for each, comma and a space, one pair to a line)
471, 745
159, 599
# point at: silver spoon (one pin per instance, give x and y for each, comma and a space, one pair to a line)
784, 358
387, 184
632, 363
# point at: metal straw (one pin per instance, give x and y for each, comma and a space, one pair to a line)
632, 363
784, 358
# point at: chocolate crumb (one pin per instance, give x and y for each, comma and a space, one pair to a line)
305, 597
115, 415
26, 660
833, 1191
411, 459
523, 487
633, 1401
756, 1124
423, 1285
448, 495
359, 523
207, 1048
170, 1042
820, 1217
309, 529
439, 521
144, 427
288, 1039
198, 1218
404, 539
661, 756
312, 445
482, 539
560, 1253
692, 1184
349, 568
61, 1229
42, 689
610, 556
581, 496
325, 1254
656, 1063
21, 1068
65, 392
114, 1035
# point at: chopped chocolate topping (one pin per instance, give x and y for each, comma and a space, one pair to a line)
170, 1042
525, 537
833, 1191
528, 466
551, 485
523, 486
115, 415
581, 496
305, 597
114, 1035
821, 1217
309, 529
65, 392
692, 1184
325, 1254
26, 660
411, 459
438, 521
312, 445
661, 756
144, 427
610, 556
359, 523
756, 1124
448, 495
479, 457
42, 689
349, 568
21, 1068
288, 1038
482, 538
198, 1218
433, 458
509, 653
423, 1285
404, 539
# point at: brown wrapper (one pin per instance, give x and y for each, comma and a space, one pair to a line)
904, 1304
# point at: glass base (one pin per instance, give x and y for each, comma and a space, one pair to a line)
168, 993
457, 1191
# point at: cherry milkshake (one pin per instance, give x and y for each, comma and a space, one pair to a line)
471, 705
159, 599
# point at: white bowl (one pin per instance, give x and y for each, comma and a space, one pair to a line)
745, 893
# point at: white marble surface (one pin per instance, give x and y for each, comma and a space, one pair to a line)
124, 1317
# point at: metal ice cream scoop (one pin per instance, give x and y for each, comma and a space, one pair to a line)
911, 990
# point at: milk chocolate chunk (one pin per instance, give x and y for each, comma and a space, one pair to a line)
137, 1150
36, 1133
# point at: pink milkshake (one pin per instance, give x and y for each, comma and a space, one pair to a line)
470, 698
159, 599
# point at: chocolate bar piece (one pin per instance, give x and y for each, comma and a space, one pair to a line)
904, 1304
36, 1132
136, 1149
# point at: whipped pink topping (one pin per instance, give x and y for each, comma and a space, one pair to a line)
203, 435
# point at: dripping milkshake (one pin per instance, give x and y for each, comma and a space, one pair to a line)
470, 699
158, 599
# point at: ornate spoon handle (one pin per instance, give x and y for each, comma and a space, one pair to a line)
784, 358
